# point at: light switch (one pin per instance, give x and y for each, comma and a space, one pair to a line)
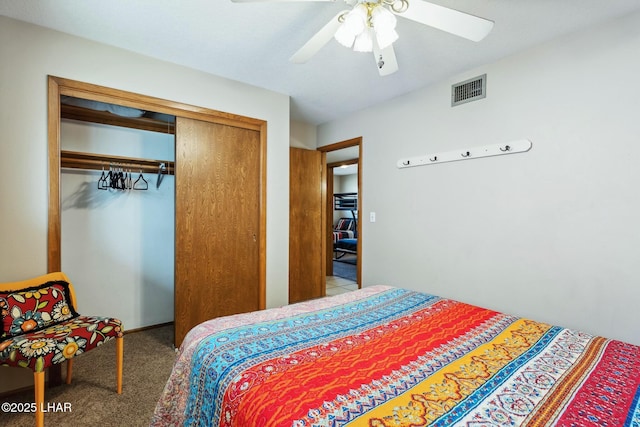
372, 217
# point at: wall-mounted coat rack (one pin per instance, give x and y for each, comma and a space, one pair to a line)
519, 146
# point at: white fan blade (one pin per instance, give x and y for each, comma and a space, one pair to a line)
316, 42
452, 21
385, 59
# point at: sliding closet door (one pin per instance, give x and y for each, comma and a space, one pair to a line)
217, 222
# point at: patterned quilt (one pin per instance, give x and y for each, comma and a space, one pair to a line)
385, 356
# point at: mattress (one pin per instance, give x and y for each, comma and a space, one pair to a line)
350, 245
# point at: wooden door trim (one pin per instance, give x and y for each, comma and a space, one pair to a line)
263, 216
58, 86
54, 256
329, 217
343, 144
149, 103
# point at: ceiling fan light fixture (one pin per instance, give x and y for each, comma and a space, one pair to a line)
386, 38
382, 19
363, 42
344, 36
352, 24
384, 23
356, 20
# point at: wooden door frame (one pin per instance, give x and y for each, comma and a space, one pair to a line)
58, 87
353, 142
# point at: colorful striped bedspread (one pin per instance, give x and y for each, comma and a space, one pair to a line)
384, 356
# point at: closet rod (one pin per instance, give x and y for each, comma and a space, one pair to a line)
79, 160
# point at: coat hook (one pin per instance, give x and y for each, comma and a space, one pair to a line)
434, 158
406, 163
467, 154
506, 148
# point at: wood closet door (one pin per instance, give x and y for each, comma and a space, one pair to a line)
307, 192
217, 249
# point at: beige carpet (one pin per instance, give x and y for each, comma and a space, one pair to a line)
148, 359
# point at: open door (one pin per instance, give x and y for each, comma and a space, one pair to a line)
307, 201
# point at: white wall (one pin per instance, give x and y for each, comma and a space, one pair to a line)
119, 245
303, 135
29, 53
551, 234
344, 184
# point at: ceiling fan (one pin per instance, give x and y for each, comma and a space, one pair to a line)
369, 26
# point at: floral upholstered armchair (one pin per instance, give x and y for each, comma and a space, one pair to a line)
41, 328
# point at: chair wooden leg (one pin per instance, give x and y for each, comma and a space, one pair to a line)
119, 360
38, 382
69, 371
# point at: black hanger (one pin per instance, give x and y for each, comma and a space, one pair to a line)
113, 177
128, 182
161, 169
144, 185
119, 181
102, 182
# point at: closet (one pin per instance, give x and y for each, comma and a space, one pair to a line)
118, 202
220, 192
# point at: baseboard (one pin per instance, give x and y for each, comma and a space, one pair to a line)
146, 328
19, 390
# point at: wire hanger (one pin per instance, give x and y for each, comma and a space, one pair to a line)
161, 168
102, 182
113, 173
118, 182
111, 176
144, 185
128, 183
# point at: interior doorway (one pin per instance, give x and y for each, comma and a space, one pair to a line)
341, 156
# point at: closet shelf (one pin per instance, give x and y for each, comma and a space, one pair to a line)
80, 160
104, 117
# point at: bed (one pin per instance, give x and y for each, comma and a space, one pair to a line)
345, 231
345, 246
384, 356
345, 228
344, 238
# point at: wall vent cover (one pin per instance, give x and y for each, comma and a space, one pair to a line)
469, 90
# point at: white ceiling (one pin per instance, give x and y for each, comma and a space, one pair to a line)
252, 42
346, 170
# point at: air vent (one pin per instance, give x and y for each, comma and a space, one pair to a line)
469, 90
